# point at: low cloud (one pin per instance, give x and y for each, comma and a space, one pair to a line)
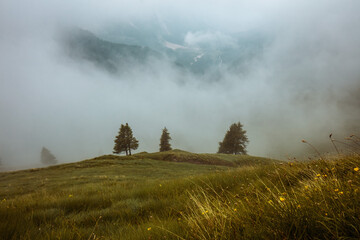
212, 39
303, 83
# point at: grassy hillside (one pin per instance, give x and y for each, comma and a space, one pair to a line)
108, 196
167, 196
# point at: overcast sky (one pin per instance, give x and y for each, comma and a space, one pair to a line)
305, 85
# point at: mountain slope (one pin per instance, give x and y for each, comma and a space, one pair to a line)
206, 59
109, 197
114, 57
135, 197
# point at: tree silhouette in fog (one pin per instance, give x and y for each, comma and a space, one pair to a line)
125, 141
164, 141
47, 157
235, 140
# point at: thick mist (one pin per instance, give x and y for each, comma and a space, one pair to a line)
304, 85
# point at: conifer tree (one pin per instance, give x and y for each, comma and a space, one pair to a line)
164, 141
120, 145
125, 141
235, 140
47, 157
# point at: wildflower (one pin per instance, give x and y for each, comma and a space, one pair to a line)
282, 199
298, 206
356, 169
341, 193
235, 209
204, 212
270, 202
326, 214
70, 195
306, 187
268, 189
149, 228
318, 175
316, 178
336, 190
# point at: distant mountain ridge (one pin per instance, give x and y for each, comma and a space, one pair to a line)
113, 57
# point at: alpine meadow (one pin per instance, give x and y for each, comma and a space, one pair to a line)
193, 120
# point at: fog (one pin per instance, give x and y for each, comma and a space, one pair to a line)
304, 85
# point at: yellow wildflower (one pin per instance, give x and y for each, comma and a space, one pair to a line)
282, 199
318, 175
336, 190
298, 206
70, 195
341, 193
270, 202
235, 209
306, 187
356, 169
149, 228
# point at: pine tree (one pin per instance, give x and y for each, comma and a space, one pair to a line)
47, 157
164, 141
235, 140
125, 141
120, 145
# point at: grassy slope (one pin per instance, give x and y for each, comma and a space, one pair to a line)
141, 198
129, 193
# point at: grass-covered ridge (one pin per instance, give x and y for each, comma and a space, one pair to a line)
203, 158
66, 201
154, 196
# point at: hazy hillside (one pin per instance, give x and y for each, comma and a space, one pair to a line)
66, 201
122, 54
163, 196
114, 57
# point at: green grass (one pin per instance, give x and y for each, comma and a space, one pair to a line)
108, 196
314, 200
180, 195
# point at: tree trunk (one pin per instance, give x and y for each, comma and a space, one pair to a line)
129, 151
126, 152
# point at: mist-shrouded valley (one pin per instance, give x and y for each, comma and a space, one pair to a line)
196, 120
71, 73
